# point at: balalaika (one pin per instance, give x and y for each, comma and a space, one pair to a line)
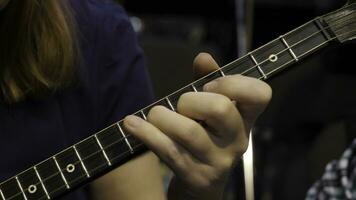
113, 146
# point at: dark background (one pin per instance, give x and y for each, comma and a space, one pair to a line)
312, 116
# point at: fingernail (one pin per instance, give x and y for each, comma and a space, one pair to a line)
133, 121
210, 86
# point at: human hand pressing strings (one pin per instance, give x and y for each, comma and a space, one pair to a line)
208, 133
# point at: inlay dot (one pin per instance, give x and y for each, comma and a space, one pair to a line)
32, 189
273, 58
70, 168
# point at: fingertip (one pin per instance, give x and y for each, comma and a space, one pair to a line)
203, 64
132, 122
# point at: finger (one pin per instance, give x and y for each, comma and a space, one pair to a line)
203, 64
174, 155
250, 94
216, 110
187, 132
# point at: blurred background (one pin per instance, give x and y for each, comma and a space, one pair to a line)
312, 116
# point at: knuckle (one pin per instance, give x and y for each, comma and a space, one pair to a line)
226, 163
174, 157
242, 146
192, 129
264, 92
221, 107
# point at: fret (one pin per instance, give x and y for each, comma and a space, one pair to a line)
20, 186
92, 155
114, 144
243, 65
60, 171
272, 56
136, 143
31, 185
143, 115
71, 166
2, 195
81, 162
289, 48
194, 88
221, 73
258, 66
124, 136
42, 184
102, 149
11, 190
53, 180
170, 104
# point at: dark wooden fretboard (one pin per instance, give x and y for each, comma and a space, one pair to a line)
113, 146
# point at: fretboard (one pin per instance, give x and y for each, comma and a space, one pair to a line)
114, 146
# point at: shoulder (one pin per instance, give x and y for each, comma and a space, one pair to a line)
100, 17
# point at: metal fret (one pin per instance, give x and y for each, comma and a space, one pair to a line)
102, 149
20, 186
258, 66
143, 115
60, 171
81, 161
43, 186
170, 104
194, 88
123, 135
289, 48
222, 73
2, 195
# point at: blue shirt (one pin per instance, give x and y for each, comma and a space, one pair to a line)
112, 83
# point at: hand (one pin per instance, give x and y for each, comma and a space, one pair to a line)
202, 154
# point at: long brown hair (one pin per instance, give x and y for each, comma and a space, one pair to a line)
38, 48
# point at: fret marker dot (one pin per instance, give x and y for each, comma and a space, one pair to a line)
273, 58
70, 168
32, 189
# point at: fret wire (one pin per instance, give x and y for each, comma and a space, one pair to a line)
194, 88
289, 48
258, 66
170, 104
20, 186
101, 147
123, 135
222, 73
143, 115
60, 171
40, 179
2, 195
81, 161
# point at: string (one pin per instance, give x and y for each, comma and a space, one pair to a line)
123, 138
